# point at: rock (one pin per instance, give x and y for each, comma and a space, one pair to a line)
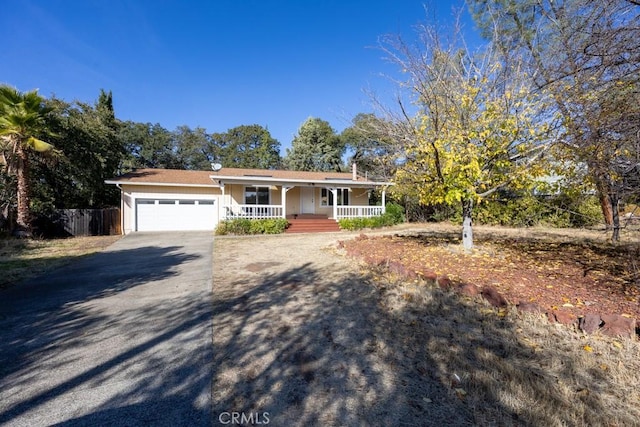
468, 289
494, 297
395, 267
444, 282
353, 252
362, 236
427, 274
616, 325
529, 307
590, 323
340, 244
400, 269
562, 317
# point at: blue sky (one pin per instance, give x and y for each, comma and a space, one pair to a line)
216, 64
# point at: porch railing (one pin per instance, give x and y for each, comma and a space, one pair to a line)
252, 211
359, 211
275, 211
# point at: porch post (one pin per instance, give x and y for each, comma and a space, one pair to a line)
384, 200
223, 205
284, 200
334, 191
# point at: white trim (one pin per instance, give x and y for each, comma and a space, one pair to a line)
324, 182
338, 189
359, 211
244, 193
162, 184
252, 180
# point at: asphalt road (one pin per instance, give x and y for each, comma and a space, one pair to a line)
120, 338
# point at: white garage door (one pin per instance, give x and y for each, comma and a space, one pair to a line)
176, 214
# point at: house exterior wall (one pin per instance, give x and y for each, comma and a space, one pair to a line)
293, 201
357, 197
132, 192
233, 195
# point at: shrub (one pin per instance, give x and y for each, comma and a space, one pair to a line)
394, 214
518, 210
242, 226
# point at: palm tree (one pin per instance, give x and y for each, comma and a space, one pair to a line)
22, 118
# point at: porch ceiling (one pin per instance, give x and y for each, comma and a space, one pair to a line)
252, 180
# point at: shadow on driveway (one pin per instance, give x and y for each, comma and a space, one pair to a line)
122, 337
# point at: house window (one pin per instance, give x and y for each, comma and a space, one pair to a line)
256, 195
326, 197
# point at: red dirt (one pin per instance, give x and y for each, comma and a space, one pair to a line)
575, 278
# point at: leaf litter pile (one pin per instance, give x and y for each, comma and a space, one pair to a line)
575, 277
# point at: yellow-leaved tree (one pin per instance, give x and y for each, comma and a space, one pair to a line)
472, 128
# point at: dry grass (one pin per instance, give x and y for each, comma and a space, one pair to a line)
516, 369
24, 258
306, 335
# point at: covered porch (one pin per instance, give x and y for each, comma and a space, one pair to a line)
298, 202
279, 211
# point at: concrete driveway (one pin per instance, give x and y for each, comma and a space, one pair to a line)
120, 338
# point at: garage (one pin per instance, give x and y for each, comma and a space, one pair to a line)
176, 214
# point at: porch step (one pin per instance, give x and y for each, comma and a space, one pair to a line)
312, 225
307, 216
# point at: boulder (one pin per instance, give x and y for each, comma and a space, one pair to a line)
494, 297
400, 269
428, 274
529, 307
562, 317
616, 325
590, 323
468, 289
444, 282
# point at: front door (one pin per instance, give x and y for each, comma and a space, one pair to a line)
307, 200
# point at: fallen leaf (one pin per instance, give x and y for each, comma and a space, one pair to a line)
588, 349
617, 344
567, 305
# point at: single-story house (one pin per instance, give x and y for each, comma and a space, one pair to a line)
171, 199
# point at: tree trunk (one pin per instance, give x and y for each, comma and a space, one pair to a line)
24, 203
467, 231
607, 212
605, 202
615, 236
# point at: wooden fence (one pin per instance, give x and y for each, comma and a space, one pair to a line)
87, 222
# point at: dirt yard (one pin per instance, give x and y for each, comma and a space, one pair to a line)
307, 336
